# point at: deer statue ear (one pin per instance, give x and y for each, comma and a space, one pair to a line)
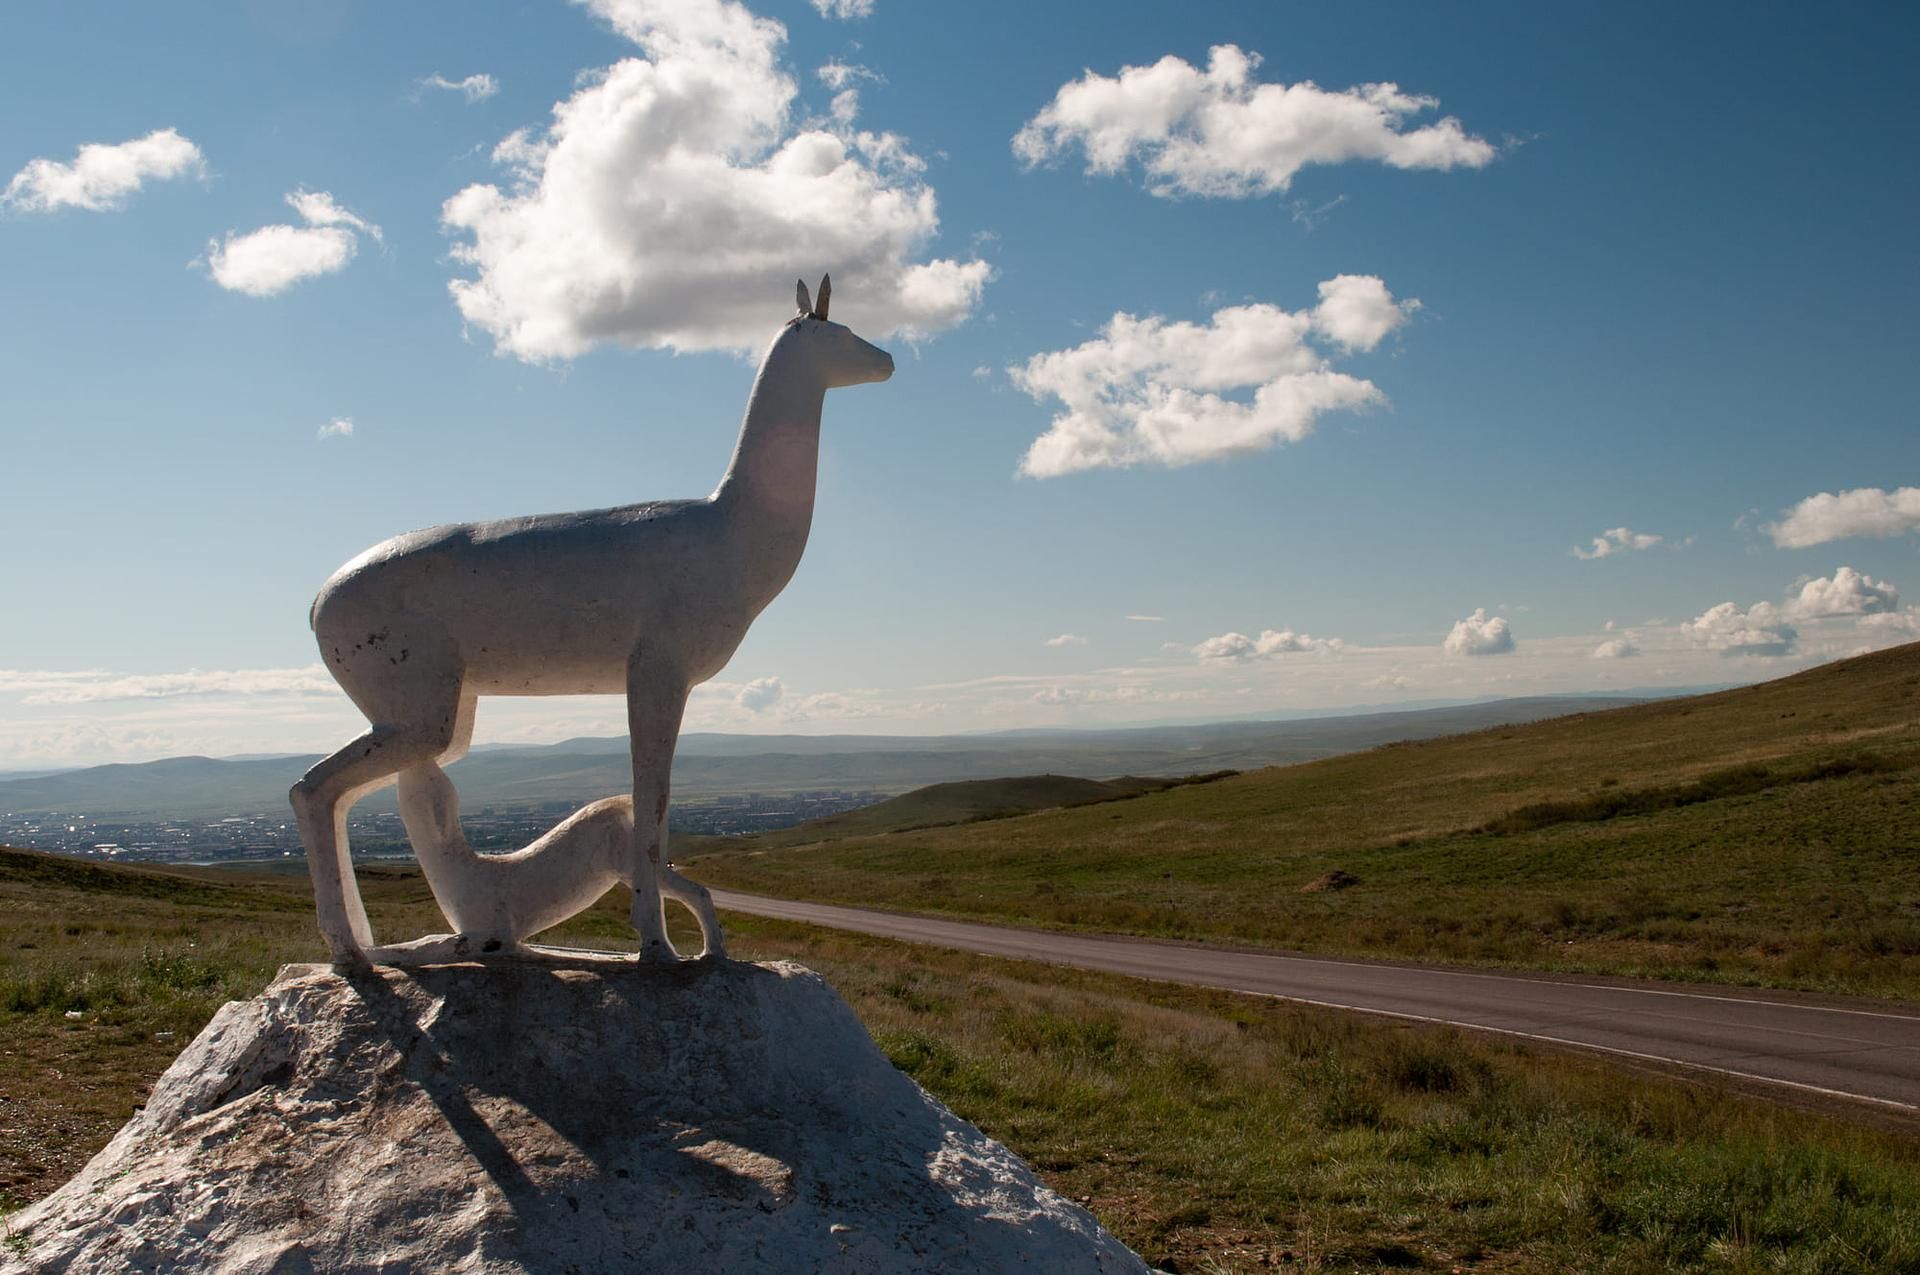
826, 294
800, 296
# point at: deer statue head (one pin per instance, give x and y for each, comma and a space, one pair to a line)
842, 357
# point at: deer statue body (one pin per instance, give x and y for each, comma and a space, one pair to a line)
643, 600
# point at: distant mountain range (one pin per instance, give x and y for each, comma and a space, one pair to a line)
708, 765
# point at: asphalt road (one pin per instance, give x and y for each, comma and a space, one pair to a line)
1869, 1054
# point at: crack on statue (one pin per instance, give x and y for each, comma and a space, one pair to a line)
657, 597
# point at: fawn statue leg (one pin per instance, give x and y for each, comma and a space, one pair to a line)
656, 701
495, 902
694, 895
430, 809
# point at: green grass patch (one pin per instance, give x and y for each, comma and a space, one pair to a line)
1762, 836
1224, 1133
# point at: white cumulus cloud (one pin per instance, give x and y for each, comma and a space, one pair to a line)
1615, 649
101, 176
1356, 311
1240, 648
338, 427
1901, 625
1758, 630
761, 694
1479, 634
1221, 132
1845, 592
1065, 639
673, 198
267, 261
475, 88
1617, 540
1863, 511
1151, 390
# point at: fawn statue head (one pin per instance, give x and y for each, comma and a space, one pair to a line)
841, 357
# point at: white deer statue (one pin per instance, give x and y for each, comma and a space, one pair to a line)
647, 600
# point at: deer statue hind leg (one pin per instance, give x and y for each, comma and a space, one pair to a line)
321, 801
413, 719
656, 701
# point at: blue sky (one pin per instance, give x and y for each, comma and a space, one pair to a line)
1662, 257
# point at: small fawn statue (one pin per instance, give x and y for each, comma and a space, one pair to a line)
648, 600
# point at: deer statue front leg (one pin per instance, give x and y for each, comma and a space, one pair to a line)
656, 701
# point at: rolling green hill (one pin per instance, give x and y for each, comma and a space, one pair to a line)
963, 801
1767, 834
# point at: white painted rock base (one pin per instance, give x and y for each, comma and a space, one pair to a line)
556, 1115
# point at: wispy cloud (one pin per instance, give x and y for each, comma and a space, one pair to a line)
338, 427
1065, 639
844, 9
1617, 540
838, 75
103, 177
475, 88
97, 686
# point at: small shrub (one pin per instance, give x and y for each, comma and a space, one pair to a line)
1422, 1069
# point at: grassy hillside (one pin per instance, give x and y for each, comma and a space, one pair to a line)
964, 801
1767, 834
1211, 1132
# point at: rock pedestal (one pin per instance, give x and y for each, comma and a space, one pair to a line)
552, 1115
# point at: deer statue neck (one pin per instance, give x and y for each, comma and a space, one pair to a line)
768, 490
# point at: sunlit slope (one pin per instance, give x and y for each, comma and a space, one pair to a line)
940, 805
1770, 833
